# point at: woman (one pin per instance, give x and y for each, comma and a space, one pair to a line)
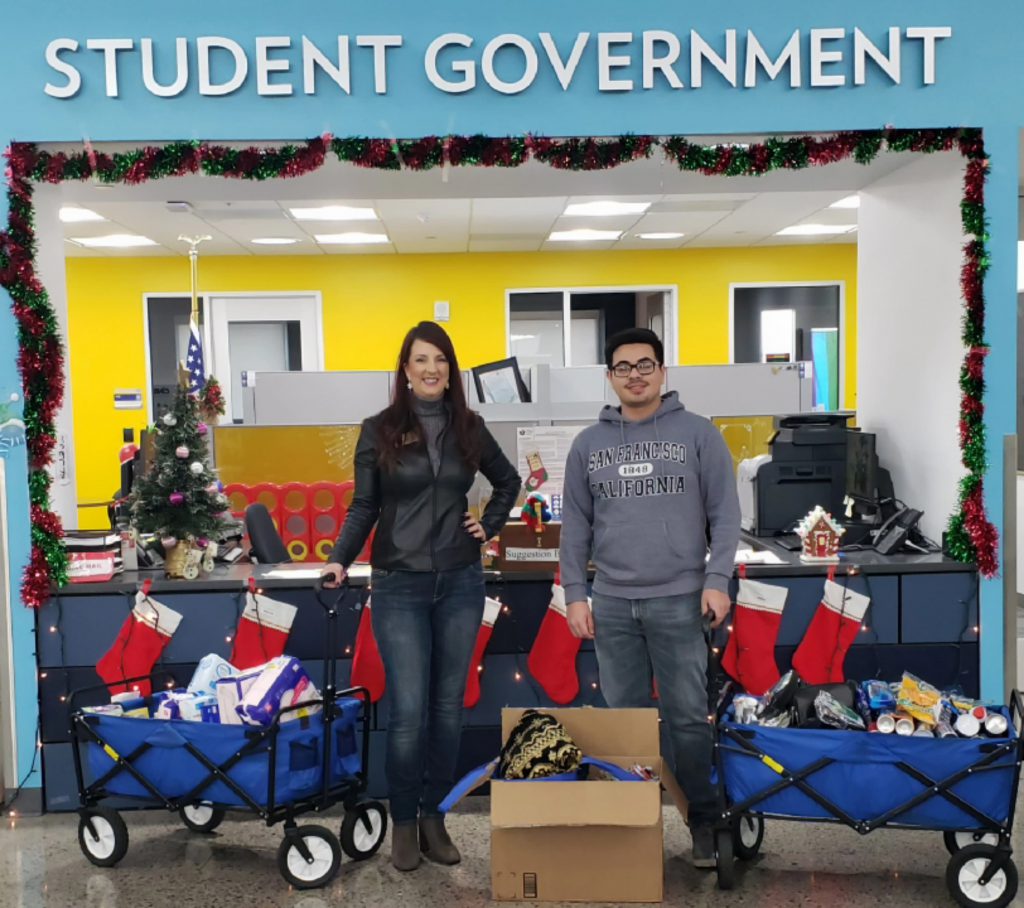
414, 465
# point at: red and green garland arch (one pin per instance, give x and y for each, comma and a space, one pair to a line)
971, 535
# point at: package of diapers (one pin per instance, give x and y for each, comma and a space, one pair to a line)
231, 690
283, 682
208, 671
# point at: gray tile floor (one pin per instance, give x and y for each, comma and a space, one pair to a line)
800, 865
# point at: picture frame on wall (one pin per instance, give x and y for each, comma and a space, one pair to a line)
500, 382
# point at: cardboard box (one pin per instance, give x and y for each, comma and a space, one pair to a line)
593, 841
523, 549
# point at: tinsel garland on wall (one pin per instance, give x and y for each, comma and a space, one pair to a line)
971, 536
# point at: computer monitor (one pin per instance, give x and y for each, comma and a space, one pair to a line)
861, 467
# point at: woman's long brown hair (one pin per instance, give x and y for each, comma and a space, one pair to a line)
399, 421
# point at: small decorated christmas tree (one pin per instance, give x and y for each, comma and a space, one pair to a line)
180, 498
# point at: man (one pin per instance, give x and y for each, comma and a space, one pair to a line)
642, 487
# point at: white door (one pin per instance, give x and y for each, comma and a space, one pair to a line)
256, 333
654, 311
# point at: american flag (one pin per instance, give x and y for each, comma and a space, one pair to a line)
194, 359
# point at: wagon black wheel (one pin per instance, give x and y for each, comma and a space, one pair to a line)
102, 836
725, 865
963, 878
961, 838
363, 829
318, 866
201, 817
747, 836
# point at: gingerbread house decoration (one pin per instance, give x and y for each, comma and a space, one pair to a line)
820, 535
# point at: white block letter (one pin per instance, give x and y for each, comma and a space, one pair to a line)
203, 47
863, 48
466, 67
265, 66
700, 51
380, 45
820, 57
529, 58
929, 35
149, 69
606, 61
663, 64
756, 55
313, 57
110, 47
564, 71
73, 76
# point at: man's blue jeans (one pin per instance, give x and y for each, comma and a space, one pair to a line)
637, 639
426, 626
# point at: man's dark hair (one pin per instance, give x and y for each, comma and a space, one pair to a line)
634, 336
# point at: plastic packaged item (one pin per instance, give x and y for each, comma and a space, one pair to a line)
230, 692
282, 683
778, 699
832, 713
919, 699
132, 705
879, 696
208, 671
745, 708
106, 709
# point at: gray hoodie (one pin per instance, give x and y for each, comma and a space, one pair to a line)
637, 498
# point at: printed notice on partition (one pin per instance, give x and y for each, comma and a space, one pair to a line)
542, 452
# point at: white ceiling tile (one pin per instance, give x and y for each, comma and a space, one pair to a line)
505, 245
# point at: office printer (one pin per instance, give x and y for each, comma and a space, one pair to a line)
806, 467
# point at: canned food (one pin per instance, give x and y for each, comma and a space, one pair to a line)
967, 725
886, 723
996, 724
904, 726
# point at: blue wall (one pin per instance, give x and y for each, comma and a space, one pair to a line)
978, 82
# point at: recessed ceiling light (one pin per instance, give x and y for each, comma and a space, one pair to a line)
334, 213
816, 230
604, 209
72, 215
583, 235
113, 241
851, 201
273, 241
660, 236
353, 238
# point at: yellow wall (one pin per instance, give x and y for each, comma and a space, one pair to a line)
371, 300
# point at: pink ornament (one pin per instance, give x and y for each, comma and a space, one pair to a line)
202, 428
181, 451
168, 542
176, 498
202, 542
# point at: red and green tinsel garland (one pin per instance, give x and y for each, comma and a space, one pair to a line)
971, 536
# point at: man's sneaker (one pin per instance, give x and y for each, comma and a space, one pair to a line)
703, 847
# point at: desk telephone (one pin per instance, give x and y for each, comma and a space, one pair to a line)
896, 531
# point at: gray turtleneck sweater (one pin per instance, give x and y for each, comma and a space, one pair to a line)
433, 417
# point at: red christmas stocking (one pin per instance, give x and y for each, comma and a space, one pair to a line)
492, 608
836, 623
262, 631
538, 472
367, 666
749, 655
142, 638
552, 659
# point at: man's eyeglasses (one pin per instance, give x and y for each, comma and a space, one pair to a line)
624, 369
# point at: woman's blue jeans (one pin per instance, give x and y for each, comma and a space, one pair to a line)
426, 625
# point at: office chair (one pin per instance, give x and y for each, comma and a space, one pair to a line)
267, 547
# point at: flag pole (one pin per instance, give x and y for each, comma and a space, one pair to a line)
193, 261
